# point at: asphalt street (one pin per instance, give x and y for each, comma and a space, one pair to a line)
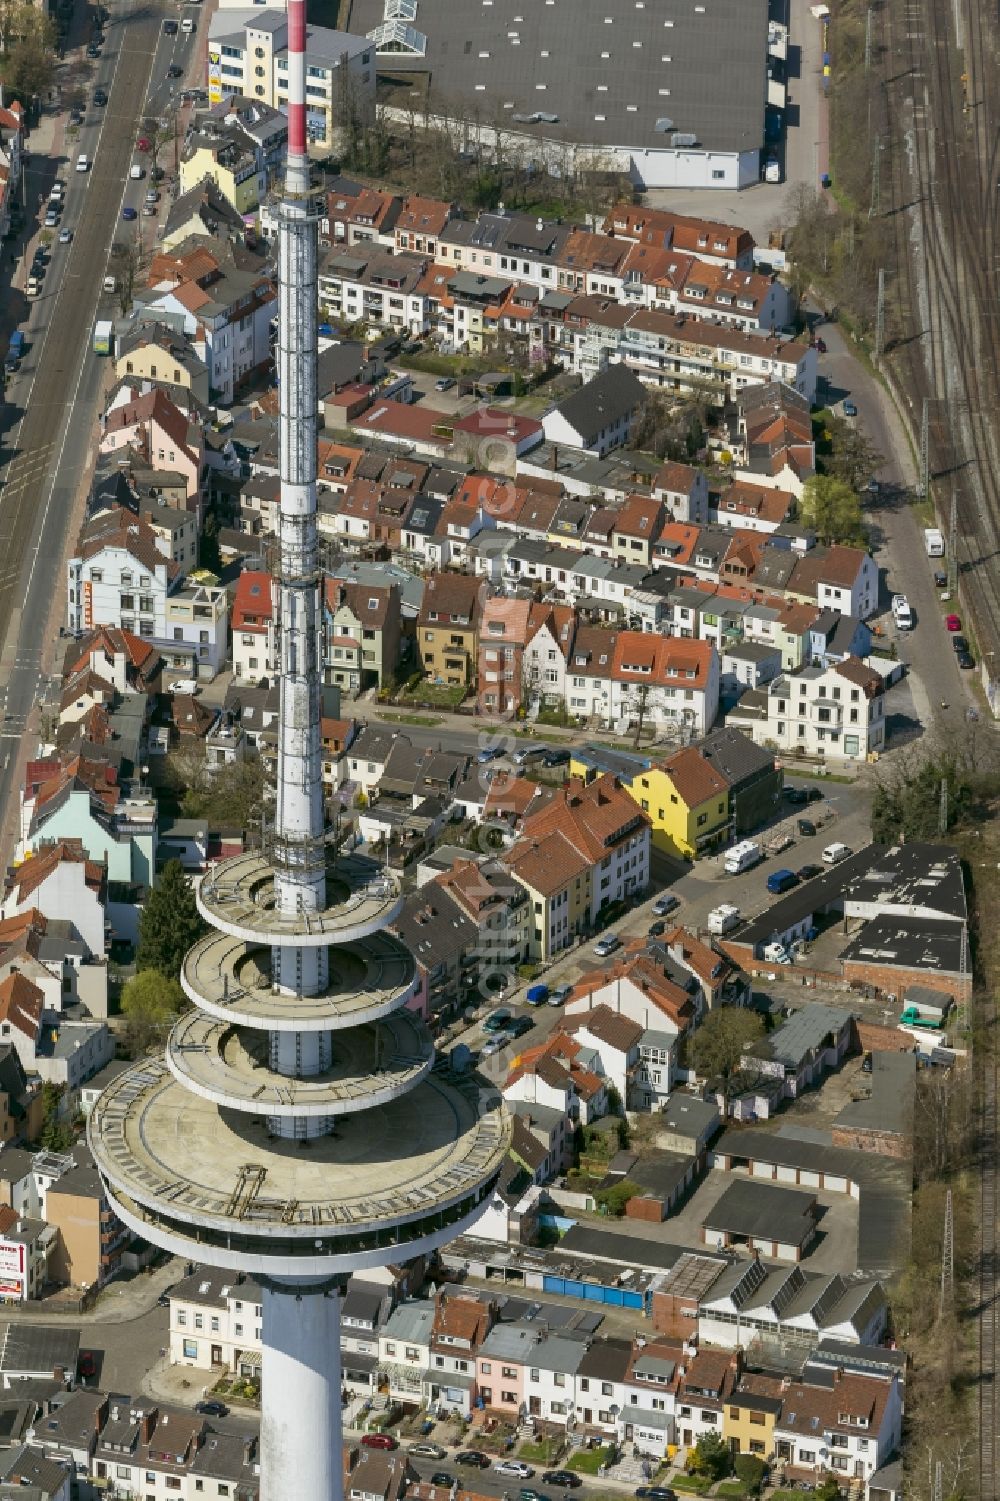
904, 566
51, 405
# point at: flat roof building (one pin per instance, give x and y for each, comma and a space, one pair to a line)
676, 107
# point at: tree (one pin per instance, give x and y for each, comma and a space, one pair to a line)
907, 801
718, 1046
56, 1135
710, 1457
827, 1490
853, 458
169, 924
751, 1470
209, 555
157, 134
833, 510
30, 66
151, 1002
232, 794
613, 1200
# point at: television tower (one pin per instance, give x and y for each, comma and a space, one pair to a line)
299, 1126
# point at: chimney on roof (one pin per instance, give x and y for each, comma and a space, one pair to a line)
147, 1425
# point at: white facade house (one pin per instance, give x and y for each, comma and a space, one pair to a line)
248, 54
835, 712
215, 1322
599, 416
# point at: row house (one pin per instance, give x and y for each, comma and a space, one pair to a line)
720, 244
677, 353
374, 286
225, 311
651, 992
355, 214
663, 681
254, 628
156, 429
448, 628
364, 640
553, 1075
11, 158
499, 907
82, 801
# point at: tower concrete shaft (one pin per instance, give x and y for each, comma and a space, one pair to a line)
299, 1126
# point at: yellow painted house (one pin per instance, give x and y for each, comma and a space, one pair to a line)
229, 163
751, 1411
687, 799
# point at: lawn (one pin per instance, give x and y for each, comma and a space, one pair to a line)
589, 1461
437, 695
732, 1488
786, 1496
428, 720
690, 1485
545, 1453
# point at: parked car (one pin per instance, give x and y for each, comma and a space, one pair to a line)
555, 758
795, 795
806, 827
515, 1467
498, 1020
51, 219
495, 1044
170, 27
959, 643
806, 872
560, 995
965, 660
93, 50
656, 929
782, 880
143, 144
212, 1409
607, 945
656, 1493
536, 995
65, 235
519, 1026
562, 1477
953, 622
100, 98
529, 753
489, 753
174, 71
427, 1451
379, 1441
664, 905
128, 212
940, 579
834, 853
76, 117
444, 384
526, 1493
850, 409
443, 1478
473, 1457
83, 162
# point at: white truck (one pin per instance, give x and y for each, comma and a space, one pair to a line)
742, 856
934, 542
724, 918
902, 612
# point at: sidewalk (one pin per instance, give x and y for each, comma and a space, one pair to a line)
121, 1302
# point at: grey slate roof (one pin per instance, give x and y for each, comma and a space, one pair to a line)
764, 1211
602, 401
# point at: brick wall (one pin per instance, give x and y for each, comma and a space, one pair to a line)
893, 979
873, 1038
646, 1208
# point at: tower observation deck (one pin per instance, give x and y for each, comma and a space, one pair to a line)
299, 1126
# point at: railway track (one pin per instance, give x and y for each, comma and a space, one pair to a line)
942, 134
988, 1413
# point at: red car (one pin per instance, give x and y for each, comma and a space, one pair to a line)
378, 1441
953, 622
142, 144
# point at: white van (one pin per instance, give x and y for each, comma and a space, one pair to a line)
724, 918
136, 172
742, 856
834, 853
902, 614
187, 25
934, 542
